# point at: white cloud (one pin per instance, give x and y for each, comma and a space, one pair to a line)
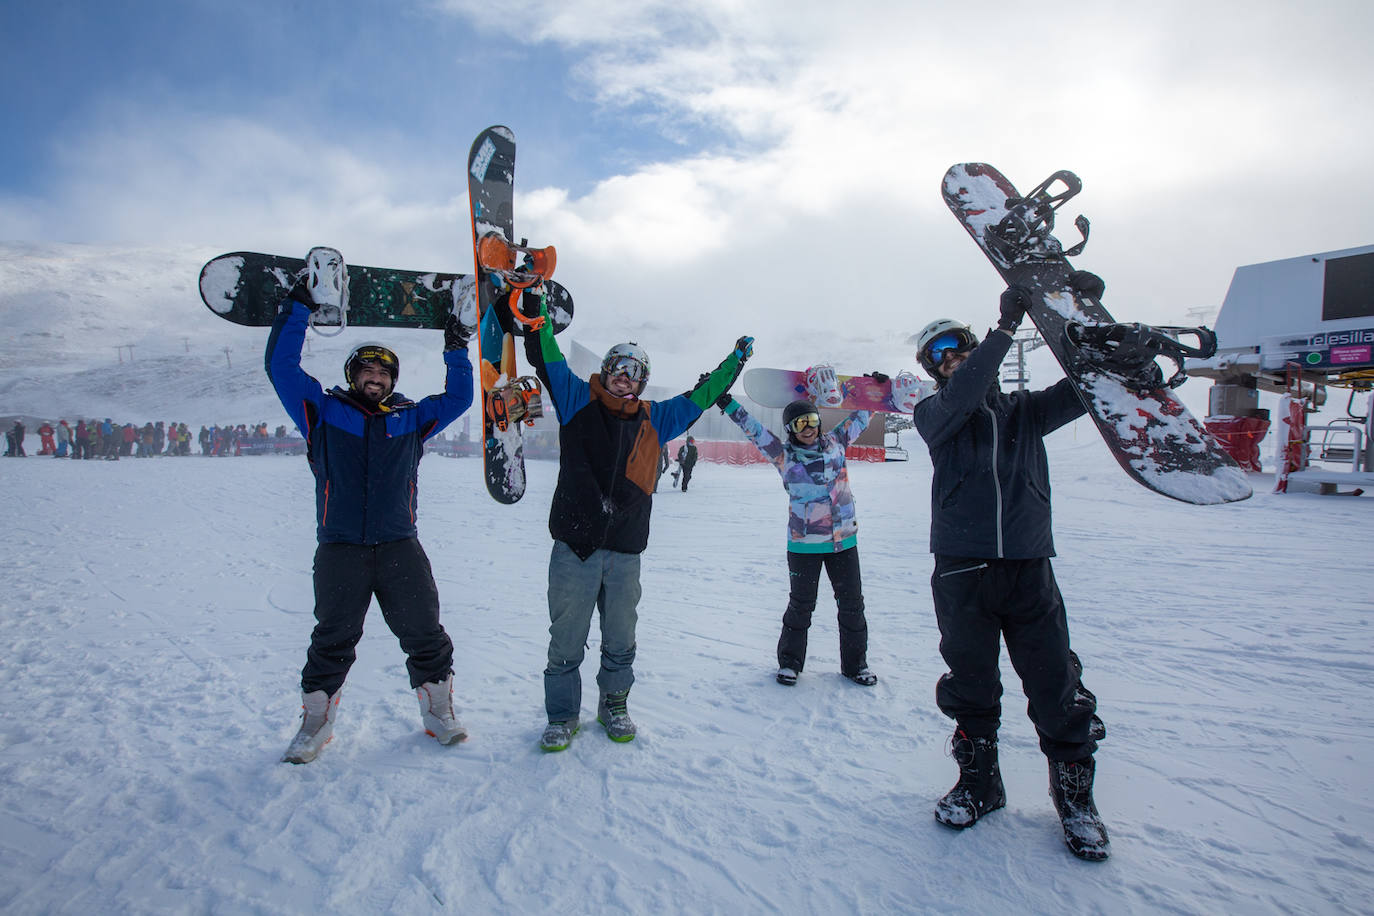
1207, 135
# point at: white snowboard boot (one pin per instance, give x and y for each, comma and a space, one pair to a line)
436, 709
318, 711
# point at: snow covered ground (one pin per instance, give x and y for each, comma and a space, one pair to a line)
155, 615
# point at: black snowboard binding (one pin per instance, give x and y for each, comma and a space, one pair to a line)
1128, 351
1024, 233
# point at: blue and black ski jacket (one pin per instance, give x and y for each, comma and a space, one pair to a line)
366, 461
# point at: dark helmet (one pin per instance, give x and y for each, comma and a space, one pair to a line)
373, 354
942, 332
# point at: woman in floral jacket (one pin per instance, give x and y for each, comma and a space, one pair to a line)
821, 530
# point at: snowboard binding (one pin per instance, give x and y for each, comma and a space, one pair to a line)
517, 401
325, 281
1024, 233
1128, 351
498, 256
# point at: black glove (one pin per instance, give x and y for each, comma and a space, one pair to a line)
1013, 304
456, 334
300, 291
880, 377
1086, 283
724, 400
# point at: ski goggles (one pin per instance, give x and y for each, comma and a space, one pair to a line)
805, 421
953, 342
380, 356
627, 366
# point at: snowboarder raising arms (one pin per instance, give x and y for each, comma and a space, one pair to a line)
821, 530
364, 446
609, 446
990, 533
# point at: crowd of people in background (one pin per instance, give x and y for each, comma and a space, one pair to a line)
110, 440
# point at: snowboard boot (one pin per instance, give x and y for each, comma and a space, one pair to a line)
318, 711
979, 789
863, 677
1071, 787
558, 735
436, 710
787, 677
614, 716
326, 279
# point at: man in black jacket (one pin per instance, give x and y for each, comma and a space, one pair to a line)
991, 535
609, 441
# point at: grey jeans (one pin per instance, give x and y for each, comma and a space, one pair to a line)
608, 582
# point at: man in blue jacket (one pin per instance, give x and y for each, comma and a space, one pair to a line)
609, 446
364, 445
990, 533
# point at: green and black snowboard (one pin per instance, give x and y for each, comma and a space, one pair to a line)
246, 287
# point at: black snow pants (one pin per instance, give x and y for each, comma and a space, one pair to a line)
346, 578
804, 574
977, 604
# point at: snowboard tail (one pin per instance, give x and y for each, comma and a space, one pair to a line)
1113, 366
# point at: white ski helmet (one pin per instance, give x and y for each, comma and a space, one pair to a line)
628, 359
962, 338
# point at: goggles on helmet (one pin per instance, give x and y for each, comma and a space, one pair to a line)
953, 342
627, 366
805, 421
380, 356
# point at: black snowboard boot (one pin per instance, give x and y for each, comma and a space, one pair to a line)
1071, 787
979, 789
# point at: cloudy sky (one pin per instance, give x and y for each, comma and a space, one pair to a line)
705, 168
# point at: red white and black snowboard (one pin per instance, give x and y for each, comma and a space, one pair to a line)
1153, 436
824, 387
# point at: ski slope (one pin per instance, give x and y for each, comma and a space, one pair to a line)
156, 612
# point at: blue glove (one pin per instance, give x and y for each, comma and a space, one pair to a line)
744, 348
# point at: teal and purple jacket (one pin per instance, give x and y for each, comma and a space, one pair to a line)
820, 510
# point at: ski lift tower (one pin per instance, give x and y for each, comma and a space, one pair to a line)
1014, 366
1296, 327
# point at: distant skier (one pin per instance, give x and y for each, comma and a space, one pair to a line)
664, 462
686, 460
609, 446
822, 530
365, 445
991, 535
64, 438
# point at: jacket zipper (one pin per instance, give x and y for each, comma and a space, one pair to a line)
966, 569
996, 478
